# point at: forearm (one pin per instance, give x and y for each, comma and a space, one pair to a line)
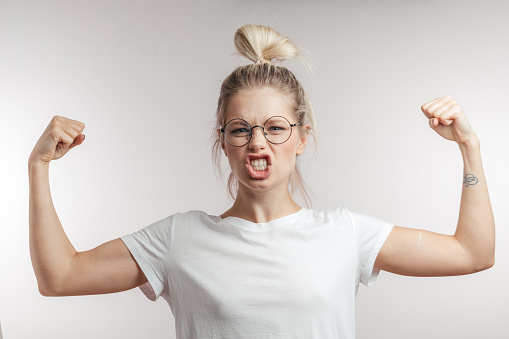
476, 225
50, 249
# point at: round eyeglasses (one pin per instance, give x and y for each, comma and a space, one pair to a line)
276, 130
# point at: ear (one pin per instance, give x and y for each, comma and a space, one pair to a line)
303, 139
221, 140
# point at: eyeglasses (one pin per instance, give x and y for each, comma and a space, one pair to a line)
276, 130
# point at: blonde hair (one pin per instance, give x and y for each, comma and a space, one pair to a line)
264, 46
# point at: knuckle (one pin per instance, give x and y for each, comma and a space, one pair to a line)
54, 130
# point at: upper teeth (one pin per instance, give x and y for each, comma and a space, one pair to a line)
259, 164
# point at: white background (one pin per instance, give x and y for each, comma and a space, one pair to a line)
144, 76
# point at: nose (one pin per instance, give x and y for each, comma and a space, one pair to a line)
257, 138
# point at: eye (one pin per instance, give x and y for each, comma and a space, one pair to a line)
276, 128
240, 130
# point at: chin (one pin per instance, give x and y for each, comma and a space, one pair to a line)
255, 184
261, 184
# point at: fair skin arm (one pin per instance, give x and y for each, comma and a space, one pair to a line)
471, 249
60, 270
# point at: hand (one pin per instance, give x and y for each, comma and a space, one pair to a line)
447, 119
61, 135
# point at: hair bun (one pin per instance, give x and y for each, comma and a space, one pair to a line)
263, 44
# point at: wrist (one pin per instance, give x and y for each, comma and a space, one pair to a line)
469, 144
34, 164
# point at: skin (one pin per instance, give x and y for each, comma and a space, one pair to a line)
262, 200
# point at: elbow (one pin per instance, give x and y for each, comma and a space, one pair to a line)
44, 291
490, 263
47, 290
484, 264
42, 285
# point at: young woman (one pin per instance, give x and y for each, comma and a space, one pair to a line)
265, 268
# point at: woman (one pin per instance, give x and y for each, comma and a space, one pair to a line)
265, 268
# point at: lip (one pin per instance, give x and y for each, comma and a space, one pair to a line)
254, 156
259, 175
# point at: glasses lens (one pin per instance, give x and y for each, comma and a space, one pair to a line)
237, 132
278, 130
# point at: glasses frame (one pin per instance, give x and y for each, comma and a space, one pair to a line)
251, 128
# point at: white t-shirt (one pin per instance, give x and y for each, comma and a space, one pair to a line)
292, 277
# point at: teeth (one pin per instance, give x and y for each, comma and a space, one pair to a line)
259, 164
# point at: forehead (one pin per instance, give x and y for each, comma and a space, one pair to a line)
257, 105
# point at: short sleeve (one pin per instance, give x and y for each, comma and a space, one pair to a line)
371, 234
150, 247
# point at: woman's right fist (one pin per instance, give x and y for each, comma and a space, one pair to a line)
61, 135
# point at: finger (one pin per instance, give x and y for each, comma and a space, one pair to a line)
64, 139
450, 115
78, 141
67, 121
77, 127
73, 130
424, 107
69, 125
433, 122
437, 112
444, 101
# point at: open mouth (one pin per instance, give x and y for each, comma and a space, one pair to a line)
259, 166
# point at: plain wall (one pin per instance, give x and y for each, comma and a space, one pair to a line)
143, 74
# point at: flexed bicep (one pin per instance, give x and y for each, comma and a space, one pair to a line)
421, 253
108, 268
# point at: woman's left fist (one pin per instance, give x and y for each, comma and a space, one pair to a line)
447, 119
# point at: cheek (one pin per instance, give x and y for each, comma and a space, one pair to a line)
234, 159
293, 146
288, 154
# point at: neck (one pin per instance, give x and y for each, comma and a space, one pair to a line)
262, 206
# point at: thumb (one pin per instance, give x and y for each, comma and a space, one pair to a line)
433, 123
78, 141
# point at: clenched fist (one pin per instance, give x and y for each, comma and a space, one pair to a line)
61, 135
447, 119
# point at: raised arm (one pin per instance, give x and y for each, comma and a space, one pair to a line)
59, 268
472, 248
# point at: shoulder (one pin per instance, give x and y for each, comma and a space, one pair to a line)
340, 212
176, 219
195, 216
180, 222
334, 218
